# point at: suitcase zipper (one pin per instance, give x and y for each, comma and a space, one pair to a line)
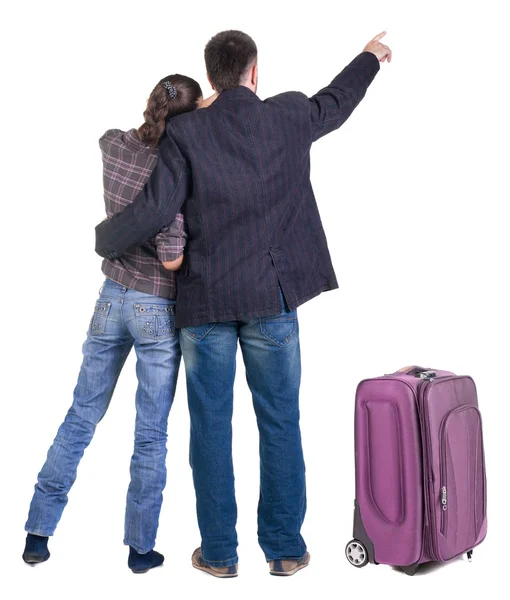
444, 503
426, 467
443, 474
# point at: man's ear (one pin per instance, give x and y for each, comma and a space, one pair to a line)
254, 74
209, 80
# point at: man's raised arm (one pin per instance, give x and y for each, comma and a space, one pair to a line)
154, 207
334, 104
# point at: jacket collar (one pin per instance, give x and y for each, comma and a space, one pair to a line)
238, 93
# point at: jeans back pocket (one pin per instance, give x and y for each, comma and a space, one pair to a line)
279, 329
155, 321
99, 318
198, 332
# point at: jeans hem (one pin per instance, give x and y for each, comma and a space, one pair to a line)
270, 557
221, 563
39, 533
138, 548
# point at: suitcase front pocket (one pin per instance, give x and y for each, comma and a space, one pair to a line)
462, 478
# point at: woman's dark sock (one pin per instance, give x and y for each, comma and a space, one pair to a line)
36, 549
141, 563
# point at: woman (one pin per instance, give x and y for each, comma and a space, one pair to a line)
135, 308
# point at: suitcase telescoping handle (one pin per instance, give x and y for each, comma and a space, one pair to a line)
416, 371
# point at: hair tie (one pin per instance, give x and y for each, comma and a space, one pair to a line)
170, 87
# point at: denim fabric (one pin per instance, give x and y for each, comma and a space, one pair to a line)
122, 318
270, 348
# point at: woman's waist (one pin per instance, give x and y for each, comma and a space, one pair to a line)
146, 275
112, 289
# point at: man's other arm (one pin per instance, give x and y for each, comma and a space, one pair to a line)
334, 104
154, 207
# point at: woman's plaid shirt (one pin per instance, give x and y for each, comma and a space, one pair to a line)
127, 165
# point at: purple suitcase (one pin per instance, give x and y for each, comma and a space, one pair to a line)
420, 470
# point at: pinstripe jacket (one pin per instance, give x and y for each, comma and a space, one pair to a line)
239, 171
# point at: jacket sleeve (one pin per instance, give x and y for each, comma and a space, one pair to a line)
333, 105
154, 207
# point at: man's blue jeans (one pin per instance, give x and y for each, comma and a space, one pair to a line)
270, 347
122, 318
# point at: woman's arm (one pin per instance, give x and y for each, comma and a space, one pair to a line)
170, 243
161, 198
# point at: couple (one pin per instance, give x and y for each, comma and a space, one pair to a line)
231, 182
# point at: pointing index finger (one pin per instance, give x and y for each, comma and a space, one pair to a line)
379, 36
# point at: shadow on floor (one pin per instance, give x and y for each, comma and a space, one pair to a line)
430, 567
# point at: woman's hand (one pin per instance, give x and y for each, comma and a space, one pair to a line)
173, 265
204, 103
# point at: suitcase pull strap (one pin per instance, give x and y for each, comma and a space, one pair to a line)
416, 371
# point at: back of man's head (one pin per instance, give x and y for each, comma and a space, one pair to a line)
229, 58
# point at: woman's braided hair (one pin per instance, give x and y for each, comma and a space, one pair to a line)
174, 95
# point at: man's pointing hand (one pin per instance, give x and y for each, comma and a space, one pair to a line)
381, 51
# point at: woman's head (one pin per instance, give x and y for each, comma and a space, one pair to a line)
174, 95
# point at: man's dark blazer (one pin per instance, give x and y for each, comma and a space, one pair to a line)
240, 172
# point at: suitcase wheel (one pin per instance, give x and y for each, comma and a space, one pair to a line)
356, 554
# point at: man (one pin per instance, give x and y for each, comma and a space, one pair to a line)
240, 172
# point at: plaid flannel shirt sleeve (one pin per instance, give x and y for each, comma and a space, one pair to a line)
171, 240
161, 198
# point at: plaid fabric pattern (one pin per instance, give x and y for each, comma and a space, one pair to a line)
127, 165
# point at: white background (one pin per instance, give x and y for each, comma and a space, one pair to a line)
412, 191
